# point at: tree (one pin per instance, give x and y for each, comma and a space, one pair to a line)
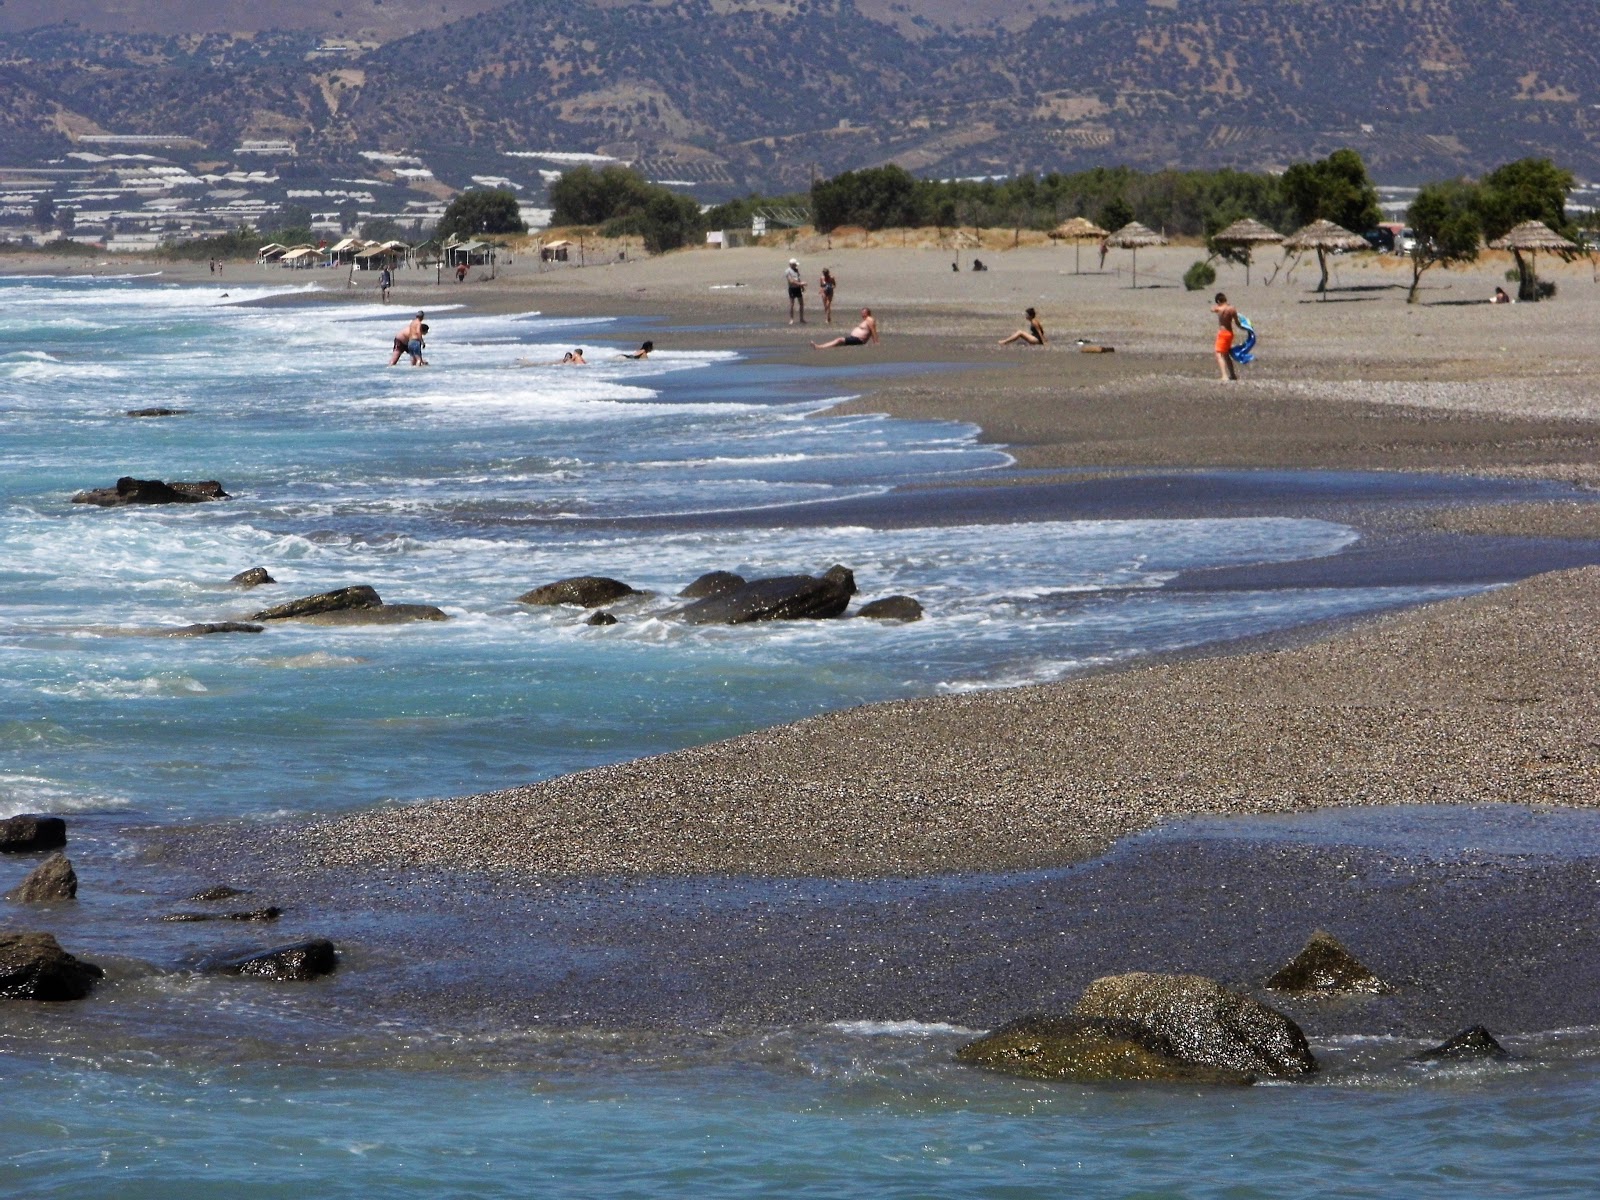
1445, 218
482, 210
1334, 189
876, 198
1530, 189
383, 229
44, 211
1116, 213
66, 219
584, 196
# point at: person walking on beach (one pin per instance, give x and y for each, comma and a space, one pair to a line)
825, 286
385, 282
1227, 318
797, 290
866, 330
409, 341
1033, 335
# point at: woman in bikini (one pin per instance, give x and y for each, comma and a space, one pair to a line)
826, 286
1033, 335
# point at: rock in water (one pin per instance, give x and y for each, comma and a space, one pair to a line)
1469, 1044
301, 961
712, 583
585, 591
254, 577
152, 491
892, 608
1205, 1022
156, 412
784, 598
601, 618
219, 891
270, 913
360, 596
29, 833
1089, 1050
33, 966
52, 880
207, 628
383, 614
1325, 967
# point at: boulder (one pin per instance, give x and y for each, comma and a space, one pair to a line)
383, 614
270, 913
784, 598
219, 891
254, 577
33, 966
207, 628
712, 583
1467, 1045
51, 881
892, 608
1089, 1050
301, 961
29, 833
1205, 1022
156, 412
1325, 968
585, 591
151, 491
601, 618
359, 596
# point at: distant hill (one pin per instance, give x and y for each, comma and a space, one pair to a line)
763, 93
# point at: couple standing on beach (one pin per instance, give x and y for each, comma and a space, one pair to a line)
797, 292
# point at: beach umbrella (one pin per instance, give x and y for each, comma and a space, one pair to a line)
1130, 237
1529, 238
1245, 235
1323, 236
1078, 230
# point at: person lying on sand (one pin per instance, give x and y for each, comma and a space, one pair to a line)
866, 330
1033, 335
642, 352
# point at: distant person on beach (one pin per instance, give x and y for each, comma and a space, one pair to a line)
409, 341
825, 286
1499, 297
642, 352
797, 290
1227, 318
461, 273
1033, 335
866, 330
385, 282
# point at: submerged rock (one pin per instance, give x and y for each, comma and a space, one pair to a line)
52, 880
156, 412
1205, 1022
339, 600
301, 961
712, 583
783, 598
29, 833
1469, 1044
1325, 967
601, 618
129, 490
270, 913
207, 628
585, 591
892, 608
1089, 1050
220, 891
383, 614
33, 966
254, 577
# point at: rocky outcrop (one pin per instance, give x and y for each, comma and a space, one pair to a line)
1467, 1045
584, 591
892, 608
383, 614
29, 833
339, 600
1089, 1050
50, 882
33, 966
712, 583
1325, 968
1205, 1022
270, 913
207, 628
129, 490
784, 598
296, 963
254, 577
156, 412
601, 618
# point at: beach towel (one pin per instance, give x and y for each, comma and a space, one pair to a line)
1242, 353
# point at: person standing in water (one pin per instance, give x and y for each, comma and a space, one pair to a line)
409, 341
1228, 319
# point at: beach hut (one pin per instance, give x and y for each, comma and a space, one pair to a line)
342, 253
299, 258
1529, 238
380, 255
468, 254
1323, 236
556, 251
1242, 237
271, 252
1130, 237
1078, 230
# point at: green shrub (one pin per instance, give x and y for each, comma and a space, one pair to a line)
1201, 275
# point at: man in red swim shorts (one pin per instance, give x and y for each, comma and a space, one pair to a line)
1227, 317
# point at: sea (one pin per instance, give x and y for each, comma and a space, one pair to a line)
463, 485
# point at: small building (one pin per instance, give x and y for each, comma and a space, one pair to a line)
380, 255
343, 253
300, 257
555, 251
468, 254
271, 252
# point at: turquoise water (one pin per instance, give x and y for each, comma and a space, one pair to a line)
463, 486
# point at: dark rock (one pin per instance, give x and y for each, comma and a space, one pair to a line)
301, 961
152, 491
28, 833
254, 577
219, 891
712, 583
1206, 1023
157, 412
1469, 1044
360, 596
1324, 967
33, 966
892, 608
1089, 1050
383, 614
601, 618
585, 591
206, 628
52, 880
271, 913
784, 598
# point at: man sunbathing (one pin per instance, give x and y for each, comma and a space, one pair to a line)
866, 330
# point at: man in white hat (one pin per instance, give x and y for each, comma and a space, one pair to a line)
797, 290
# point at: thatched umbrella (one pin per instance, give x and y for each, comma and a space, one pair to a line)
1529, 238
1130, 237
1244, 235
1323, 236
1078, 230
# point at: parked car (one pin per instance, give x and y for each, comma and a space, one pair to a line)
1380, 239
1408, 240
